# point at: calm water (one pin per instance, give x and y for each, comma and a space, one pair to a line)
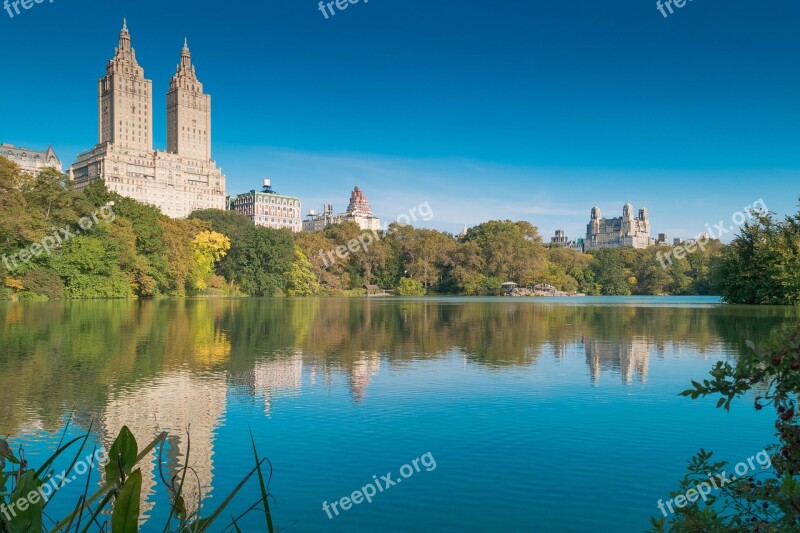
541, 415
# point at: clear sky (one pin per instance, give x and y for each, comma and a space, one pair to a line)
523, 109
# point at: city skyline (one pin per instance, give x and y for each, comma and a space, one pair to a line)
532, 144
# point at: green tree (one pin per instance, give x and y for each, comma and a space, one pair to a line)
54, 201
89, 266
575, 265
609, 272
16, 221
326, 266
230, 223
410, 287
762, 264
150, 242
468, 267
301, 279
44, 281
512, 251
426, 253
259, 261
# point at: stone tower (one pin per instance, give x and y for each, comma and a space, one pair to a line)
188, 112
627, 219
594, 222
125, 100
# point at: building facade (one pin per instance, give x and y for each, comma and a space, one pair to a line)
269, 209
32, 161
179, 180
561, 240
358, 212
624, 231
319, 221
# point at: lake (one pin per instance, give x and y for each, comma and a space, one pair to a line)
521, 414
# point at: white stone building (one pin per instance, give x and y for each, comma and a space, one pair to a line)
33, 161
269, 209
179, 180
625, 231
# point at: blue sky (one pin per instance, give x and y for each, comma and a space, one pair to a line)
518, 109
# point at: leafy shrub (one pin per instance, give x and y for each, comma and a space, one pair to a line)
769, 501
410, 287
44, 281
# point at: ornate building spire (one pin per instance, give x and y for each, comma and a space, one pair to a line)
185, 71
186, 55
124, 37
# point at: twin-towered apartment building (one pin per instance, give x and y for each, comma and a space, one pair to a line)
180, 179
183, 178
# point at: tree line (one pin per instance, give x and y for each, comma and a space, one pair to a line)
143, 253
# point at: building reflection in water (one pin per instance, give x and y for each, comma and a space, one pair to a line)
278, 378
366, 366
180, 403
630, 359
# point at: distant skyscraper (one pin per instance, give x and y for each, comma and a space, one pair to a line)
626, 231
188, 112
177, 181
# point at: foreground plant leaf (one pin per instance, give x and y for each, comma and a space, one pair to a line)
121, 457
125, 516
106, 490
27, 517
264, 493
